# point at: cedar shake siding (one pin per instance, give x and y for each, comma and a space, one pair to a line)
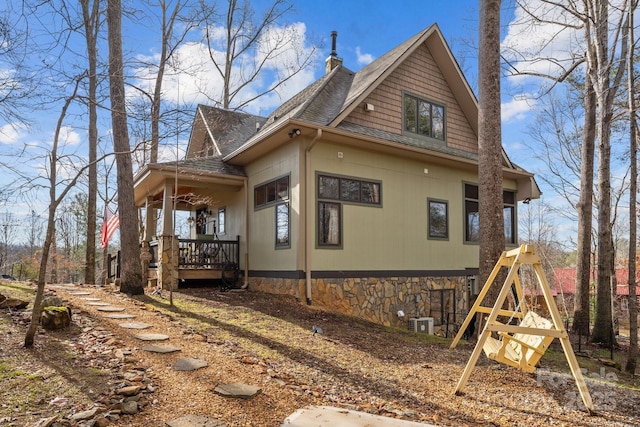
418, 75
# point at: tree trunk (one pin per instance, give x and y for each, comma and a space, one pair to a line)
130, 272
489, 143
91, 19
581, 314
632, 356
605, 94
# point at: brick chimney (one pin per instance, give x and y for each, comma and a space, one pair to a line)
333, 61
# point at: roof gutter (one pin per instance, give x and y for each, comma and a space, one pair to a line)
307, 214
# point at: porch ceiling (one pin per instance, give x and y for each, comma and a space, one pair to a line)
151, 180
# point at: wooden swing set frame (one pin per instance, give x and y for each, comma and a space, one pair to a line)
520, 346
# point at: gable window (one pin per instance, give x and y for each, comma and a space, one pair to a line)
423, 117
438, 219
222, 220
472, 215
282, 225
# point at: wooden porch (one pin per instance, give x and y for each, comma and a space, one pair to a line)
202, 259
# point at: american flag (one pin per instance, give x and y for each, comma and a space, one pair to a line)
110, 224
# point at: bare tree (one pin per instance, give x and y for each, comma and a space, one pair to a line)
91, 18
17, 82
131, 270
581, 308
245, 34
54, 201
168, 46
632, 356
8, 229
489, 142
607, 72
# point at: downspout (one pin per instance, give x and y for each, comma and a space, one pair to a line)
307, 215
246, 234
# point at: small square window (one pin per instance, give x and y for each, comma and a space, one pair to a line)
329, 187
350, 190
282, 188
371, 192
260, 195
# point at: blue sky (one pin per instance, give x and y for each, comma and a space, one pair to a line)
366, 30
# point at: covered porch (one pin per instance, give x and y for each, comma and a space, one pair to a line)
209, 200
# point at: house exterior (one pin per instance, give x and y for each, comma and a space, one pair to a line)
359, 194
565, 283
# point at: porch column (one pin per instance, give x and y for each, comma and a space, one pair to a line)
149, 220
167, 243
167, 209
168, 262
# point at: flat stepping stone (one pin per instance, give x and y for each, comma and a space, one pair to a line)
314, 416
239, 390
190, 364
99, 304
110, 308
80, 293
161, 348
119, 316
91, 299
152, 337
135, 325
195, 421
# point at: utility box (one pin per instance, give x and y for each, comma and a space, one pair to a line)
421, 324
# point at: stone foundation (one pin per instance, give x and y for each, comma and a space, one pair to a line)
376, 299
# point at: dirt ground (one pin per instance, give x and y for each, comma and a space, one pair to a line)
267, 341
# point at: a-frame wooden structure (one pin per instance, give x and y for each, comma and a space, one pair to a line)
519, 346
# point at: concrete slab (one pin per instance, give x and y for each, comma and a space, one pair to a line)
329, 416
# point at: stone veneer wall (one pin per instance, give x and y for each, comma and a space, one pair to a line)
375, 299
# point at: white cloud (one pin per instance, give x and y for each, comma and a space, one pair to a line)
11, 133
517, 108
195, 79
68, 136
363, 58
547, 46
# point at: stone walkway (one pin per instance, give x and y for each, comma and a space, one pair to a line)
314, 416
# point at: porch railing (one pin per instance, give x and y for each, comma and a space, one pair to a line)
196, 253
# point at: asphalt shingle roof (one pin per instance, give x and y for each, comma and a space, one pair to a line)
206, 164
